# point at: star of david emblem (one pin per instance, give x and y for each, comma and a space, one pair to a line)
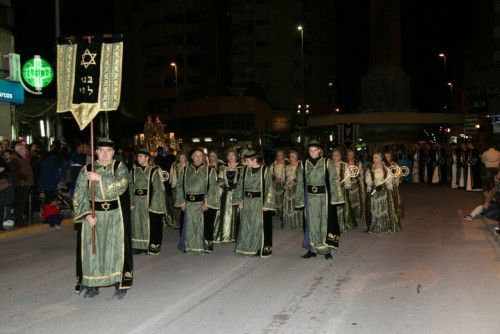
314, 189
164, 176
105, 206
88, 59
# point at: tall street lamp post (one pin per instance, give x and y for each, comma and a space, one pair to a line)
445, 97
301, 29
174, 65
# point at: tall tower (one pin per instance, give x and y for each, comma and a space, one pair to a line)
385, 86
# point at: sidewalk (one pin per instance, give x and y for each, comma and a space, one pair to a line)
31, 229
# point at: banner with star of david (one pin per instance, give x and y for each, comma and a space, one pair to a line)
89, 78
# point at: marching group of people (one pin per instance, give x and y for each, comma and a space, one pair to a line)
120, 211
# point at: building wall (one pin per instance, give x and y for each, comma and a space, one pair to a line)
266, 49
6, 46
180, 31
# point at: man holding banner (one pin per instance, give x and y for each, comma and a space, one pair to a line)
89, 73
112, 262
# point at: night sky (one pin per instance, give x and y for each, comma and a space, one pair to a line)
428, 27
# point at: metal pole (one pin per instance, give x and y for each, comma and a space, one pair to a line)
177, 101
92, 187
445, 85
302, 74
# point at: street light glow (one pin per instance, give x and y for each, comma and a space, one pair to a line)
299, 28
442, 55
173, 64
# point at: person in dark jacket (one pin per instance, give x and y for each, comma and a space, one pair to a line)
52, 172
78, 159
22, 180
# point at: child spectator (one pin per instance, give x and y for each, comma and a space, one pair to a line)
51, 214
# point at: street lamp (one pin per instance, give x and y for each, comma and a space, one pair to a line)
301, 29
445, 97
174, 65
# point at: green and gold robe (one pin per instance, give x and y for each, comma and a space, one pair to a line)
357, 193
317, 180
292, 218
382, 216
345, 216
255, 193
147, 194
192, 190
226, 226
112, 262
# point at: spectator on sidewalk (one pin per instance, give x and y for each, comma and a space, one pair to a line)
52, 172
51, 214
77, 161
490, 209
6, 194
22, 180
491, 161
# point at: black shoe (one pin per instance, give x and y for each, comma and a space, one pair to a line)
328, 256
91, 292
137, 251
210, 248
336, 242
267, 251
308, 255
119, 294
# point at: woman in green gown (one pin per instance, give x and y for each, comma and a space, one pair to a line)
357, 192
175, 170
147, 194
226, 227
292, 218
344, 213
382, 215
254, 195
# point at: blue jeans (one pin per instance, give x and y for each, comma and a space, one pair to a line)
54, 220
492, 212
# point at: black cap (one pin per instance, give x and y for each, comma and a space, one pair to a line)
144, 151
249, 154
314, 143
105, 142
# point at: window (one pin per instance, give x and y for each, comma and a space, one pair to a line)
264, 22
262, 43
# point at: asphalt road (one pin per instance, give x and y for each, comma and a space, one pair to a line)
439, 275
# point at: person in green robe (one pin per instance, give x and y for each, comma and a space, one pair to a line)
226, 228
357, 192
277, 170
147, 194
317, 188
382, 216
191, 197
111, 265
255, 197
292, 218
212, 214
175, 171
346, 219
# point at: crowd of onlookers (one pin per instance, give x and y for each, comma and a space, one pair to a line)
31, 175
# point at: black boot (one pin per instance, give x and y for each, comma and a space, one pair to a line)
308, 255
91, 292
328, 256
119, 293
336, 242
210, 248
267, 251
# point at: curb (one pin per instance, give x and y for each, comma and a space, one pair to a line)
32, 229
